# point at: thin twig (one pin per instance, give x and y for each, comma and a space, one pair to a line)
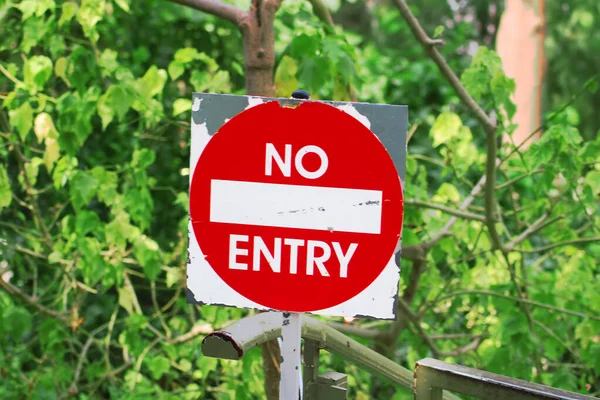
560, 244
322, 12
216, 8
557, 338
504, 296
197, 330
13, 290
486, 122
447, 210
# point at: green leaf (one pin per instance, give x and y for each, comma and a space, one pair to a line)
571, 135
60, 69
153, 82
146, 251
143, 158
31, 170
447, 193
593, 180
83, 187
107, 185
186, 55
34, 30
89, 14
37, 71
176, 69
5, 191
439, 30
313, 72
65, 169
124, 4
28, 8
22, 119
119, 231
19, 320
158, 366
44, 128
541, 153
173, 276
86, 222
126, 298
181, 106
108, 61
446, 127
69, 9
37, 7
117, 100
51, 153
285, 77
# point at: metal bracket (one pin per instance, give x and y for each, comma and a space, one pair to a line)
327, 386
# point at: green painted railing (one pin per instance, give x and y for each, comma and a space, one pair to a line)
432, 379
433, 376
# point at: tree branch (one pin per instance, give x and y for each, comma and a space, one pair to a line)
15, 291
536, 226
414, 318
488, 125
462, 349
322, 12
532, 302
216, 8
197, 330
447, 210
560, 244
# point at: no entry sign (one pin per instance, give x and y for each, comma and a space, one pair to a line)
295, 207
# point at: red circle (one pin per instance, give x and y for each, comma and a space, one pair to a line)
356, 160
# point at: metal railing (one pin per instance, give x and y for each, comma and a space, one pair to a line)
433, 376
432, 379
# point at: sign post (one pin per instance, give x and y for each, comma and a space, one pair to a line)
290, 366
296, 206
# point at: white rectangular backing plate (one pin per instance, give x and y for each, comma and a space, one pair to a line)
204, 286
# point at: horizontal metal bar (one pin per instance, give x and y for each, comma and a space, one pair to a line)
249, 332
433, 374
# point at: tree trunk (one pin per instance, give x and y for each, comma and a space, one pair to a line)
259, 62
259, 47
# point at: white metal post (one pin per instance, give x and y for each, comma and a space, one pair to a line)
291, 330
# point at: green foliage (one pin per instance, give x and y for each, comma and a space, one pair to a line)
94, 164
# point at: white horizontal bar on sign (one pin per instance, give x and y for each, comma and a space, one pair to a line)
295, 206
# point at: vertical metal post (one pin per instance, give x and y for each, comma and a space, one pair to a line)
311, 368
291, 330
424, 384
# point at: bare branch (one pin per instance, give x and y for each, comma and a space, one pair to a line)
216, 8
447, 210
451, 336
443, 66
322, 12
488, 125
465, 204
33, 302
532, 302
560, 244
536, 226
414, 318
197, 330
518, 178
462, 349
551, 333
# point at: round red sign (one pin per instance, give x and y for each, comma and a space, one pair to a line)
297, 209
